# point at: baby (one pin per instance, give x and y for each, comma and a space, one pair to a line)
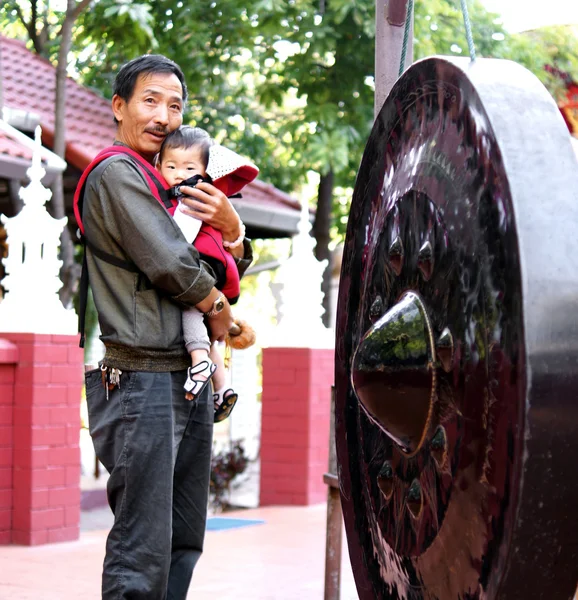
188, 152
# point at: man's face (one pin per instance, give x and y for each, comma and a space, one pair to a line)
153, 111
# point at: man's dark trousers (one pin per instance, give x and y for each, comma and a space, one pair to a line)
156, 446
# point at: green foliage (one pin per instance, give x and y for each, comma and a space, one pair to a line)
36, 23
105, 29
330, 150
325, 61
107, 35
10, 24
439, 29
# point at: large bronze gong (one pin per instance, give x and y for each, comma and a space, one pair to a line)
457, 342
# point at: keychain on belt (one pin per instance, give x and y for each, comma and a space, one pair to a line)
110, 378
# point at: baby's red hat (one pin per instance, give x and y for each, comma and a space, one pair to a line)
229, 171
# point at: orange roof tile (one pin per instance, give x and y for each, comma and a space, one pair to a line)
14, 149
12, 146
29, 84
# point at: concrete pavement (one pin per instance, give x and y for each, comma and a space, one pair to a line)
282, 559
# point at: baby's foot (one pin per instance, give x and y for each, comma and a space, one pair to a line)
198, 376
224, 403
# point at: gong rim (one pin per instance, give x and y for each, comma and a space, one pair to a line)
400, 573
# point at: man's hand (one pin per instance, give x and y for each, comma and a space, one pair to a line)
220, 324
211, 206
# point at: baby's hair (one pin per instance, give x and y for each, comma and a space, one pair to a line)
187, 137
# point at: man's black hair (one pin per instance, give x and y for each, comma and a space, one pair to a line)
188, 137
125, 80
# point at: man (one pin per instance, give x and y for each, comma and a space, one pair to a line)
155, 444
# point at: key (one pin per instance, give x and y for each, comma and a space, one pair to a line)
115, 377
104, 374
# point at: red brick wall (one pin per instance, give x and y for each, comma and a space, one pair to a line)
45, 462
8, 360
295, 425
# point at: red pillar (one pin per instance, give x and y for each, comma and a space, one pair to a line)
48, 381
8, 360
296, 405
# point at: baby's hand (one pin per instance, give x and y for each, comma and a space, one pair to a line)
187, 191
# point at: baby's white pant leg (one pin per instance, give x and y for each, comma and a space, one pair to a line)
194, 330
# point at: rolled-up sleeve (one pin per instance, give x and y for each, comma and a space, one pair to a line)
148, 235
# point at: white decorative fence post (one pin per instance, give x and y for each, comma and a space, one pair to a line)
300, 324
31, 303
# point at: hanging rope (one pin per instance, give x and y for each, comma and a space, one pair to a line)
468, 25
408, 16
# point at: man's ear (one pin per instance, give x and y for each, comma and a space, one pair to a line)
117, 105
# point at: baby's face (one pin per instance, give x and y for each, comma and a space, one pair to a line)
179, 164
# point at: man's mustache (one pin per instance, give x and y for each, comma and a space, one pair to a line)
158, 130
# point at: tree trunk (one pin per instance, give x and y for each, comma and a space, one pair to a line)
321, 228
70, 271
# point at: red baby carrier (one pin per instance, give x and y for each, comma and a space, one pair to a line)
209, 241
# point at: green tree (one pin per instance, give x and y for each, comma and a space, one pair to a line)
330, 68
439, 29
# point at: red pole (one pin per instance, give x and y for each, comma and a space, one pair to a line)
389, 25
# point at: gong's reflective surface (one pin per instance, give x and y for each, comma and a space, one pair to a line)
432, 361
393, 373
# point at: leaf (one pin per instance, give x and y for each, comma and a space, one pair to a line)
111, 11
